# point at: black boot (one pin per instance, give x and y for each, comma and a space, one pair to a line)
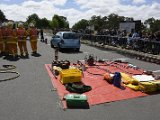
21, 55
27, 55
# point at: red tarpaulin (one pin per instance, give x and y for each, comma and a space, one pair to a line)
101, 92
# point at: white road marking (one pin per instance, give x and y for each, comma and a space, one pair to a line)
156, 71
85, 52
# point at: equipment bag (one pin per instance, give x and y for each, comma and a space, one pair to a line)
77, 88
147, 87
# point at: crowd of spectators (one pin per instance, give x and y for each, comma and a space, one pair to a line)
140, 34
137, 40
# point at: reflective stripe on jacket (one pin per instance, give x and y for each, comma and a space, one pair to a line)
9, 35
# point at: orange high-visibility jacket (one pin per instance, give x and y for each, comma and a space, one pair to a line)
21, 34
1, 36
33, 33
4, 33
9, 35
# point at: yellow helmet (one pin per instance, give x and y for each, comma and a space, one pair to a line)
31, 25
4, 24
10, 24
20, 25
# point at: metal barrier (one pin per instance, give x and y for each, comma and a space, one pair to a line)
138, 44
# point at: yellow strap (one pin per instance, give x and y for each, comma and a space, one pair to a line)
12, 42
22, 41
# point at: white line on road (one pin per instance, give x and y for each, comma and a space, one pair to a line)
156, 71
85, 52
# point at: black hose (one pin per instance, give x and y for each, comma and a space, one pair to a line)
6, 69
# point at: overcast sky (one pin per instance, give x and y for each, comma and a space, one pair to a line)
76, 10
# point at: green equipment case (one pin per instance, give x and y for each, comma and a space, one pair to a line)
76, 100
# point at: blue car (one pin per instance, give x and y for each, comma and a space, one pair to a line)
66, 39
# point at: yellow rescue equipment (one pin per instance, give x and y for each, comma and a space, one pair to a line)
134, 84
70, 75
127, 79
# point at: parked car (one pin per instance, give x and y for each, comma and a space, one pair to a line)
66, 39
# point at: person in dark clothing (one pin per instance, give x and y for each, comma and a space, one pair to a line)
157, 35
41, 34
152, 36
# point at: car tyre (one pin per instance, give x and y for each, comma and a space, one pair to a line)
52, 46
60, 49
77, 49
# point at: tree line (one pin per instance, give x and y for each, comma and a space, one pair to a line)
110, 22
57, 22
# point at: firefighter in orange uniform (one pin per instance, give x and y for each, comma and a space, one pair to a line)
1, 41
21, 36
11, 40
33, 34
5, 34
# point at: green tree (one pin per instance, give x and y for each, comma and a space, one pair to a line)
128, 18
113, 21
154, 24
25, 25
35, 19
149, 21
44, 23
54, 23
82, 24
62, 21
2, 16
98, 22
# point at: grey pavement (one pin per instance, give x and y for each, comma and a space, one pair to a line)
30, 97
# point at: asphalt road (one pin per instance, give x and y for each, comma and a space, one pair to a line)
30, 97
